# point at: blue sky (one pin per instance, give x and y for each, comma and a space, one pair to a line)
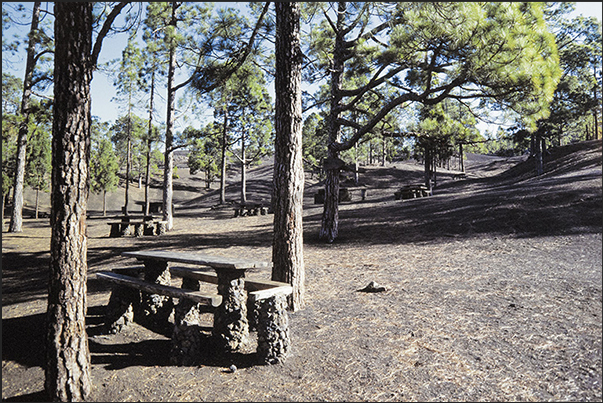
102, 86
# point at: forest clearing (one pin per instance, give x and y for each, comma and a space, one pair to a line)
299, 158
492, 291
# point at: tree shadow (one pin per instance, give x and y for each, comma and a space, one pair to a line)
115, 351
156, 352
23, 340
24, 276
40, 396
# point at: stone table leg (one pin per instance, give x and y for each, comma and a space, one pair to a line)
273, 330
186, 336
115, 230
231, 328
156, 309
124, 302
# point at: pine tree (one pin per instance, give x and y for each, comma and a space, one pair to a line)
103, 170
67, 369
390, 55
287, 249
37, 171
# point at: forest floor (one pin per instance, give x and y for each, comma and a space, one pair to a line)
493, 292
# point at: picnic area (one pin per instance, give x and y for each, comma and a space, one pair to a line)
487, 290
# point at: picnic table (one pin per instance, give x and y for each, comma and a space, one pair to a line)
412, 191
136, 225
250, 208
155, 207
344, 195
235, 303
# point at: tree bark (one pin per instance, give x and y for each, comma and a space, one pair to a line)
330, 216
128, 157
16, 222
37, 200
168, 171
67, 371
287, 250
149, 142
461, 158
223, 158
243, 171
538, 153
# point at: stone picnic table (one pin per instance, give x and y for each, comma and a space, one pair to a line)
229, 305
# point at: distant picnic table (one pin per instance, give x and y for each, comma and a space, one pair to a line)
412, 191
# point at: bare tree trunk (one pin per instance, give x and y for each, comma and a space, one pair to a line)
223, 158
37, 200
538, 153
168, 171
287, 250
596, 122
127, 191
356, 164
16, 222
147, 178
149, 142
427, 170
330, 215
67, 370
104, 203
243, 172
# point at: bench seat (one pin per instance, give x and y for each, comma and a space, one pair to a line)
257, 290
213, 300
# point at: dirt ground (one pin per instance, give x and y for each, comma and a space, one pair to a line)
493, 292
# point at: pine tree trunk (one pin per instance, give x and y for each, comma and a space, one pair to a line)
37, 200
127, 191
16, 222
104, 203
330, 215
243, 172
169, 135
67, 371
356, 164
287, 250
223, 158
538, 153
149, 142
427, 167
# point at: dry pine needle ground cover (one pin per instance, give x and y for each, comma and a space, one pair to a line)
492, 293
